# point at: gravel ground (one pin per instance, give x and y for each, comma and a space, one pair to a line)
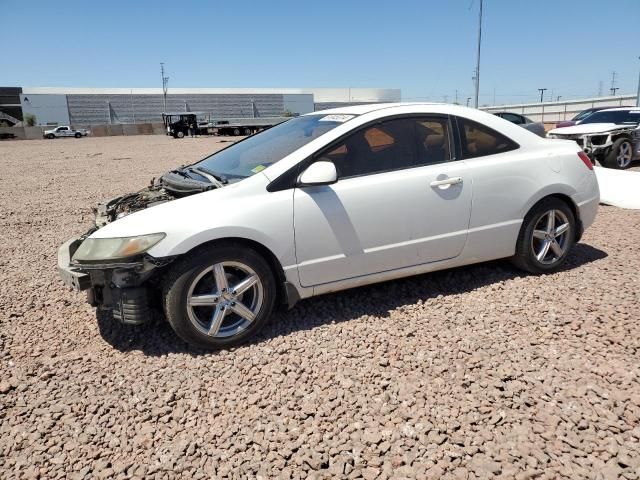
478, 372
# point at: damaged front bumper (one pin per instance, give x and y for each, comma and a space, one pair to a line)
125, 287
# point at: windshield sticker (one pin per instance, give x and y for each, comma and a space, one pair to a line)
257, 169
336, 118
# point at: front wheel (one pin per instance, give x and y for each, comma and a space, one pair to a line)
620, 154
546, 237
219, 298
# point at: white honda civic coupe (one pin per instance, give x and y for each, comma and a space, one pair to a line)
329, 201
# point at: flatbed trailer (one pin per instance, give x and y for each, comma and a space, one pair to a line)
240, 126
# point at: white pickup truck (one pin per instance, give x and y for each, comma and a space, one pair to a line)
65, 131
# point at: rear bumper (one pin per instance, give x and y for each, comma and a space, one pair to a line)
588, 210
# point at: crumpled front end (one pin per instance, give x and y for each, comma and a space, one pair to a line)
125, 287
598, 144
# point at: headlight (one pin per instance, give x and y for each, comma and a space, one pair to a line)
93, 249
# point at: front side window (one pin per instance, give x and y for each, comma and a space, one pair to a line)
392, 145
479, 140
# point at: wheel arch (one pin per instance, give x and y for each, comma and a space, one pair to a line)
570, 203
286, 293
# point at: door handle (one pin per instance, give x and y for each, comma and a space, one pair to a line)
446, 181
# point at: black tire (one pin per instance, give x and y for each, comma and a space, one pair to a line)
613, 159
51, 136
236, 132
78, 135
247, 131
527, 246
189, 271
179, 134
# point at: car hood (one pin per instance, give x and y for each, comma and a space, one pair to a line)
587, 128
193, 209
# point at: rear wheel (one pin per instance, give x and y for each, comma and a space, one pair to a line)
78, 135
219, 298
247, 131
546, 237
51, 136
620, 154
180, 134
236, 131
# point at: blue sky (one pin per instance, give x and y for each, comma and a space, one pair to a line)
425, 47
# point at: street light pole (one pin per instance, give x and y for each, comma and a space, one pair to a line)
542, 90
478, 56
468, 100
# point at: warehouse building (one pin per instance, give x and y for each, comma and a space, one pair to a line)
84, 107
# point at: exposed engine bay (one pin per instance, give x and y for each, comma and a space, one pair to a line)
172, 185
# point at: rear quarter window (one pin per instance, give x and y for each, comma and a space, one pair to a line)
478, 140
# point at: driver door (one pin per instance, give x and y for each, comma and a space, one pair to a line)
385, 212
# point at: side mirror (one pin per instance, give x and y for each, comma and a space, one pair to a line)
318, 173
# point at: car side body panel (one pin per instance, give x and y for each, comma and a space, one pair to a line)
499, 191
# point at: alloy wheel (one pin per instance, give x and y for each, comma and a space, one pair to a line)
224, 299
624, 155
550, 238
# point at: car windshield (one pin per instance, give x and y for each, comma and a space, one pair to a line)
583, 114
257, 152
631, 117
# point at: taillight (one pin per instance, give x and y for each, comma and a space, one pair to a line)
586, 160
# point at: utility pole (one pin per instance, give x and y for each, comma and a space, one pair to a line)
165, 83
469, 99
477, 75
558, 98
638, 97
456, 102
600, 88
613, 83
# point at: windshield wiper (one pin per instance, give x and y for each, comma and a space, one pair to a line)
215, 178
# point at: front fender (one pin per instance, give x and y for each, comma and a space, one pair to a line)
281, 245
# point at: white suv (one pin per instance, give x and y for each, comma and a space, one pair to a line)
329, 201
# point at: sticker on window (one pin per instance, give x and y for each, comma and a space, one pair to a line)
257, 169
336, 118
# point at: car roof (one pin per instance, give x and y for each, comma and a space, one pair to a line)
620, 109
368, 108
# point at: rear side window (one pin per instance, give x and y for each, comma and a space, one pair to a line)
479, 140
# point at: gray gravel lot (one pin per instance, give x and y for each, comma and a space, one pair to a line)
477, 372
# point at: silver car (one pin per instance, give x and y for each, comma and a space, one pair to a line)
524, 122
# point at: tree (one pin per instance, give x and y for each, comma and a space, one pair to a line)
30, 119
